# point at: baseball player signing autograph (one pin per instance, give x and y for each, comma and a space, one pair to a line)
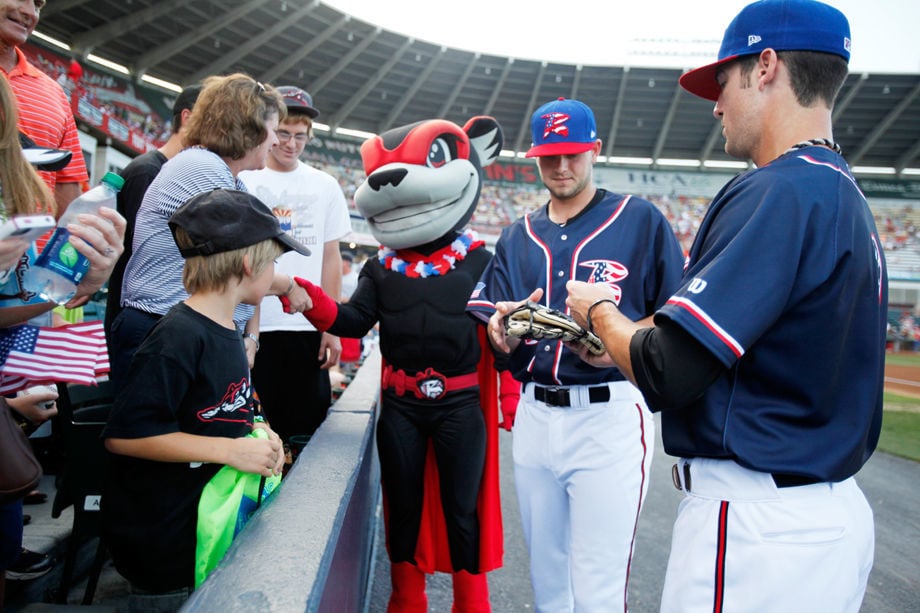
768, 362
583, 436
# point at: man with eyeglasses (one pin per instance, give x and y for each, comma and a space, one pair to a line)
291, 372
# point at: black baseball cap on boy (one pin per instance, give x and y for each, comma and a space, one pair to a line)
226, 219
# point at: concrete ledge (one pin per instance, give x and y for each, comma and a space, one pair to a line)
317, 530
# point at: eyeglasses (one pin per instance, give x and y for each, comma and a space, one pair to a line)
284, 137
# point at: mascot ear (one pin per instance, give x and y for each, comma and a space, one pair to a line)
485, 137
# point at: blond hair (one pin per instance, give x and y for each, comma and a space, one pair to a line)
230, 114
203, 273
22, 188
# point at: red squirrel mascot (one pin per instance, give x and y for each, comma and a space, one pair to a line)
438, 423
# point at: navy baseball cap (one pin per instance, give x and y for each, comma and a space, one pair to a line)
562, 127
298, 101
226, 219
783, 25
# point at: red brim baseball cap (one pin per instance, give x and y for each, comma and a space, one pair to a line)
562, 127
782, 25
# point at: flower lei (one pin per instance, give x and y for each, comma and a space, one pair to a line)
415, 265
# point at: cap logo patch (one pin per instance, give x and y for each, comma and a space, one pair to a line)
555, 124
847, 43
753, 39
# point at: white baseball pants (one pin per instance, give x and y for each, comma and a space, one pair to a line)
740, 543
581, 474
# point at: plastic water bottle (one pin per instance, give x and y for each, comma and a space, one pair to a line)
59, 268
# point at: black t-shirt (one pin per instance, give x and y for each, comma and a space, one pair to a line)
190, 375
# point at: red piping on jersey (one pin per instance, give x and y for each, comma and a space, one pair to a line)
632, 541
723, 336
548, 292
613, 217
718, 601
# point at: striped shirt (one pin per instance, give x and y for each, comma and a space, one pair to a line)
46, 117
153, 277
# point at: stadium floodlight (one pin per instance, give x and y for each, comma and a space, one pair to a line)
355, 133
732, 164
161, 83
629, 161
873, 170
110, 65
51, 41
911, 171
677, 162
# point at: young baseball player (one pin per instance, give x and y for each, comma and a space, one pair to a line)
187, 405
583, 436
768, 362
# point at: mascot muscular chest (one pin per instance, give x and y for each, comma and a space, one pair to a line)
423, 184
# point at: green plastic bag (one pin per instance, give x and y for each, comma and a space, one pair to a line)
226, 504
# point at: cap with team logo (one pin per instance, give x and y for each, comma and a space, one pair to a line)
298, 101
562, 127
783, 25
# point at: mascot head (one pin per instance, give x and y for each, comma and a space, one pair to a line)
423, 179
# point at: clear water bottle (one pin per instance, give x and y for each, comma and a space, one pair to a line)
59, 268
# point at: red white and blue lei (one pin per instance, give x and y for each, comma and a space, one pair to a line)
414, 264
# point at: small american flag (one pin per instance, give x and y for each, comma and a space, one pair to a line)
73, 353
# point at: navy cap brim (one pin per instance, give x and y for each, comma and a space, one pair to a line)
300, 109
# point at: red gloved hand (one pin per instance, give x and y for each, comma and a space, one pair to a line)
509, 396
324, 310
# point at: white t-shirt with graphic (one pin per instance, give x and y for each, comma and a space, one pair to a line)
311, 207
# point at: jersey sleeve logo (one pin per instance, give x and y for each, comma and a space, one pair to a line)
609, 273
697, 286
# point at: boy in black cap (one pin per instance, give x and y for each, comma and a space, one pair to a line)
187, 405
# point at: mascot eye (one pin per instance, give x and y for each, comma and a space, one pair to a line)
439, 154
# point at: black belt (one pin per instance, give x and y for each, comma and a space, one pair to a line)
783, 480
780, 479
560, 397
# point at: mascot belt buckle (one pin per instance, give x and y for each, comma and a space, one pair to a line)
430, 384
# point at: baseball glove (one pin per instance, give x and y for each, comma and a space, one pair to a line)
535, 321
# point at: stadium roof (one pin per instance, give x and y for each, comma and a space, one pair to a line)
368, 79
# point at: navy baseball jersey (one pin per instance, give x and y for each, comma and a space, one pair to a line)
622, 241
786, 270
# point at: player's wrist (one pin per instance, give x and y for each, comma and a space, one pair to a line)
591, 308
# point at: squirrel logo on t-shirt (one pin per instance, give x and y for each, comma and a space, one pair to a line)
229, 407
